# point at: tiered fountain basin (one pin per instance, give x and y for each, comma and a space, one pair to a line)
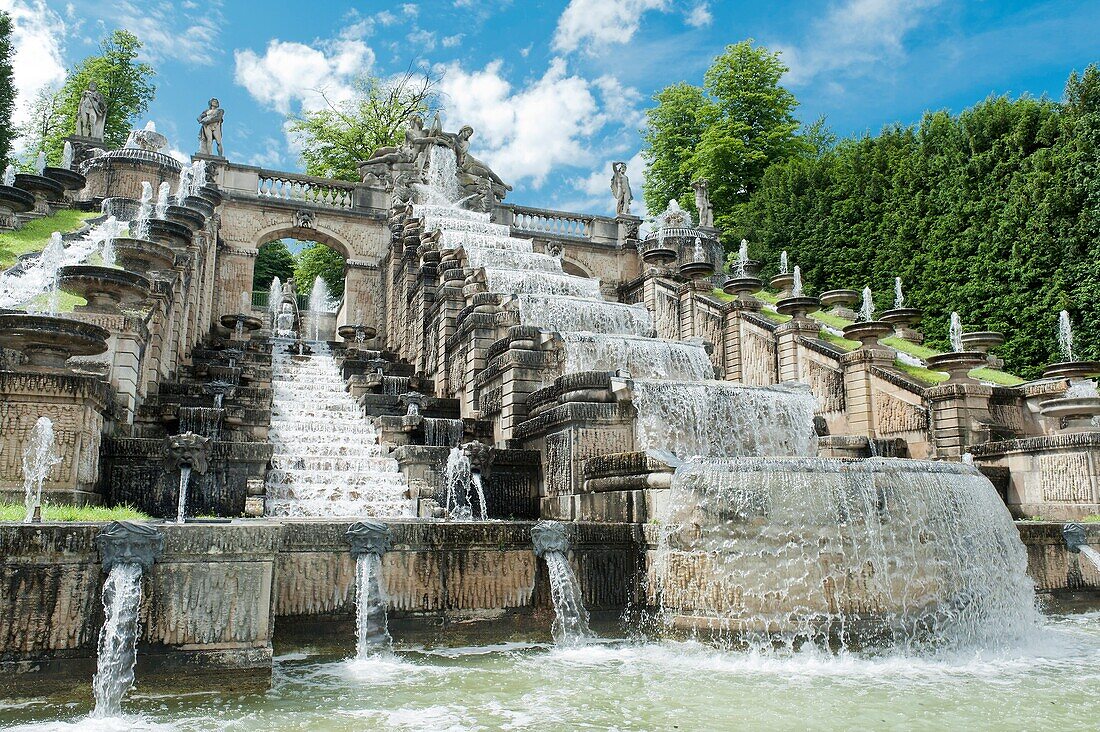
70, 180
189, 217
902, 317
742, 288
824, 551
173, 234
357, 333
13, 201
1072, 370
797, 307
841, 301
144, 255
868, 332
45, 190
105, 288
48, 342
982, 341
121, 172
957, 365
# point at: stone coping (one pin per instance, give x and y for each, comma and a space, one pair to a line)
1045, 443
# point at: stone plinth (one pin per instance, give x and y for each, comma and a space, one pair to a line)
960, 417
1056, 477
1054, 568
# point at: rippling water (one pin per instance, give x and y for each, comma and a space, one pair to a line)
631, 686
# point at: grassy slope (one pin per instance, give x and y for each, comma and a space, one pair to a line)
16, 512
35, 234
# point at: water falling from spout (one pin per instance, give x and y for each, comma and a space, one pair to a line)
796, 286
570, 616
111, 229
742, 259
117, 654
318, 303
867, 310
1065, 336
371, 623
274, 298
39, 457
67, 156
899, 297
462, 484
139, 227
956, 332
51, 258
185, 477
198, 177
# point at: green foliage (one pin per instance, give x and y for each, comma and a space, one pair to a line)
336, 137
65, 512
317, 260
273, 260
34, 235
729, 132
125, 83
993, 213
7, 89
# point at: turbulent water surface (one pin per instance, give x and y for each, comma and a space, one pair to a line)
1049, 683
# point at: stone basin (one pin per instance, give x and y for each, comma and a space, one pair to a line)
48, 341
248, 322
741, 287
40, 186
901, 317
982, 340
1072, 370
173, 234
201, 205
782, 282
192, 219
798, 307
15, 200
122, 208
349, 332
143, 255
840, 298
868, 332
658, 251
696, 270
957, 364
105, 288
1071, 410
70, 180
211, 194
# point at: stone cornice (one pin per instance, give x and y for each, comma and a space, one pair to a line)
1073, 440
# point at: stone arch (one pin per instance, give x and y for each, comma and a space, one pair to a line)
573, 267
321, 234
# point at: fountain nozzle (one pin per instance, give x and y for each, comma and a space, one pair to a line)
1074, 535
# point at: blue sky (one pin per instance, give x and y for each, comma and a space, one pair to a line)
557, 90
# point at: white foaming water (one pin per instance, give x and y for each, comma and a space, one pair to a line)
39, 457
462, 484
879, 554
443, 432
723, 419
796, 282
117, 653
515, 281
644, 358
783, 266
955, 332
319, 303
274, 299
371, 623
1065, 336
570, 616
9, 175
578, 314
181, 506
164, 193
327, 459
867, 309
139, 227
512, 259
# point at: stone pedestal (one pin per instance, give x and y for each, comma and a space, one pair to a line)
858, 387
960, 417
1056, 477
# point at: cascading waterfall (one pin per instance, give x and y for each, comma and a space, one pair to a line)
517, 281
644, 358
1092, 555
880, 553
570, 616
39, 458
723, 419
576, 314
274, 299
371, 623
319, 303
203, 421
22, 284
462, 483
117, 653
327, 459
443, 432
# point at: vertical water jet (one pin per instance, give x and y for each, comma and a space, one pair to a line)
369, 541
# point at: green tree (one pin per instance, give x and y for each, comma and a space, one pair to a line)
125, 83
729, 131
342, 133
7, 90
272, 260
317, 260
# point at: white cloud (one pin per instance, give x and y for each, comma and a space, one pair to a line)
195, 40
291, 72
423, 40
526, 133
452, 41
855, 34
386, 17
595, 24
699, 16
410, 9
37, 43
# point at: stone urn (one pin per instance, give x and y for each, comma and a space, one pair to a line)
1072, 370
45, 190
48, 341
905, 321
798, 307
868, 332
70, 180
171, 233
105, 288
742, 288
1074, 409
357, 333
121, 207
957, 365
783, 283
143, 255
240, 323
984, 341
13, 201
841, 301
659, 251
696, 269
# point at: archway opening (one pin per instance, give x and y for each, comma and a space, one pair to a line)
318, 272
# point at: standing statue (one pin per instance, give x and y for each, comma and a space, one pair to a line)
620, 188
91, 114
702, 203
211, 131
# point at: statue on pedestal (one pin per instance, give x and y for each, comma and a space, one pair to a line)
91, 114
702, 203
620, 188
211, 131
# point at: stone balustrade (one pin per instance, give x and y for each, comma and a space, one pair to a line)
552, 223
318, 191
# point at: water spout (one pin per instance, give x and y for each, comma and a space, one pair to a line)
956, 332
164, 193
67, 156
39, 457
570, 616
40, 163
52, 257
139, 227
1065, 336
899, 297
9, 175
742, 259
274, 298
783, 267
181, 507
867, 310
319, 302
796, 286
369, 541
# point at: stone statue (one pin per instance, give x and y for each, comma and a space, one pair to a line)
467, 162
620, 188
211, 131
91, 115
702, 203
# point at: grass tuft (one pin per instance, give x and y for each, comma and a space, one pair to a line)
34, 235
66, 513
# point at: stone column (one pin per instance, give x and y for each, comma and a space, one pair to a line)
792, 364
858, 390
960, 417
236, 265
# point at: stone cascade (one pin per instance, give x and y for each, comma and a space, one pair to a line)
327, 458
